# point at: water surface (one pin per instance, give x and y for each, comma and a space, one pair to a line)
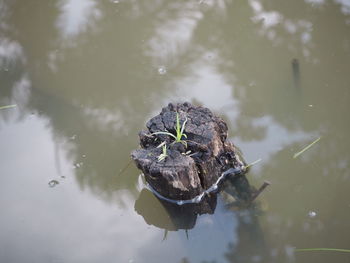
86, 76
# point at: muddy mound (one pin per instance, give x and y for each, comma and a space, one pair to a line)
185, 151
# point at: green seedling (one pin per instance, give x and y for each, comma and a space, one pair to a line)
164, 154
179, 129
306, 148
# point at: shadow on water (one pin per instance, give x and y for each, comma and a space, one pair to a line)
168, 216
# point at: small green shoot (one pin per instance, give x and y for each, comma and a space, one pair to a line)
323, 249
164, 154
306, 148
179, 131
8, 106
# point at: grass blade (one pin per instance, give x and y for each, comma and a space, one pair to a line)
183, 128
8, 106
251, 164
323, 249
306, 148
177, 128
165, 133
164, 154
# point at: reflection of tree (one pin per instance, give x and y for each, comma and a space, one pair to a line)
94, 89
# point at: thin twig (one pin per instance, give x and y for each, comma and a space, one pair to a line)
124, 168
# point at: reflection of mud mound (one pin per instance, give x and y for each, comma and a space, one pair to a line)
171, 216
195, 161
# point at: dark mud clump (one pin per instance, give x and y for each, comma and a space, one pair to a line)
193, 165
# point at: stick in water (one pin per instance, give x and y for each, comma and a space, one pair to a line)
262, 188
306, 148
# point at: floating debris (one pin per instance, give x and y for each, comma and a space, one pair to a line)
306, 148
296, 73
8, 106
312, 214
162, 70
78, 165
53, 183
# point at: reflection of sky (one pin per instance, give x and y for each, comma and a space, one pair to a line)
271, 21
10, 52
276, 139
60, 224
315, 2
345, 6
206, 86
268, 19
107, 119
21, 91
212, 234
173, 35
76, 16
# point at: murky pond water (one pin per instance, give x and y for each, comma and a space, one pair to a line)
86, 75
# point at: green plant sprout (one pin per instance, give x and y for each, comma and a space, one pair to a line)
306, 148
8, 106
164, 154
179, 129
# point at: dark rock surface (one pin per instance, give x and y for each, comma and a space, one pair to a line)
190, 167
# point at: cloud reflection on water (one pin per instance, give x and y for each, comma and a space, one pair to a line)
94, 95
77, 16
